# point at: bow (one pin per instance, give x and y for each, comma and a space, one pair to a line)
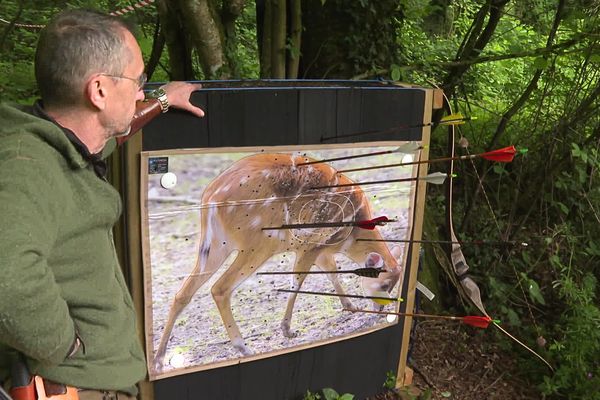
457, 258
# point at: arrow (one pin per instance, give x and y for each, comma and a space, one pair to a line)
452, 119
377, 299
369, 224
405, 148
504, 155
473, 320
475, 242
436, 178
368, 272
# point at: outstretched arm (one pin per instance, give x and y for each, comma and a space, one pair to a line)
178, 96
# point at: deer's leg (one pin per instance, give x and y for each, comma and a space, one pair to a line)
215, 257
242, 267
326, 262
303, 264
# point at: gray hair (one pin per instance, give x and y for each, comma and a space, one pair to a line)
74, 45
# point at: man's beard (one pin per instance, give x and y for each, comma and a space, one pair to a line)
115, 131
127, 132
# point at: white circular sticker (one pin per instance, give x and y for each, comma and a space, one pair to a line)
168, 180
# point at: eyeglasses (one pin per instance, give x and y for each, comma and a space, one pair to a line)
140, 81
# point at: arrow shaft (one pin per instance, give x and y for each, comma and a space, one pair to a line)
354, 296
419, 315
371, 182
327, 224
377, 153
410, 163
398, 128
303, 272
475, 242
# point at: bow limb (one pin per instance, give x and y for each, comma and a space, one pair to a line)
459, 264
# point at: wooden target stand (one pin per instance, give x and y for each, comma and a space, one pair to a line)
255, 114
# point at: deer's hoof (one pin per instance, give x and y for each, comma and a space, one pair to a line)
347, 304
241, 347
158, 364
287, 332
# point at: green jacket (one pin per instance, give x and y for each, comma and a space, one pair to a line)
58, 266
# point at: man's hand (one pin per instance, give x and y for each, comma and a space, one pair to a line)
178, 94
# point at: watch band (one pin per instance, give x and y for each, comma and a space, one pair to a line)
160, 95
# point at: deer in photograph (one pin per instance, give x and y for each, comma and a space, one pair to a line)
268, 190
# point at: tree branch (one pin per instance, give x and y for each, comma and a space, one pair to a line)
158, 44
470, 51
516, 106
11, 25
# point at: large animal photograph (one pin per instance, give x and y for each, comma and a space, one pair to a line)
254, 252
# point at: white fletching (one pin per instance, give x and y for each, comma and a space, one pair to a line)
436, 178
410, 147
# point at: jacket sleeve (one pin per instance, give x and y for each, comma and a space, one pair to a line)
34, 317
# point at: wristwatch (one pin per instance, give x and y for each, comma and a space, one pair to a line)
160, 95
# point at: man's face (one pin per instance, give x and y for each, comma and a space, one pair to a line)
126, 91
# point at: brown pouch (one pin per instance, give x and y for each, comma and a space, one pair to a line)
67, 393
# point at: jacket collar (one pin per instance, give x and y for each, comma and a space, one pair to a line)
82, 156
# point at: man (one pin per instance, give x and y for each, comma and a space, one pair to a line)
64, 305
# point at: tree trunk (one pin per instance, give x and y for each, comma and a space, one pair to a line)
180, 52
230, 12
342, 39
293, 55
206, 33
264, 20
278, 30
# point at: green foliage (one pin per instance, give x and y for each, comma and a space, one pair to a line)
390, 380
311, 396
577, 341
327, 394
330, 394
